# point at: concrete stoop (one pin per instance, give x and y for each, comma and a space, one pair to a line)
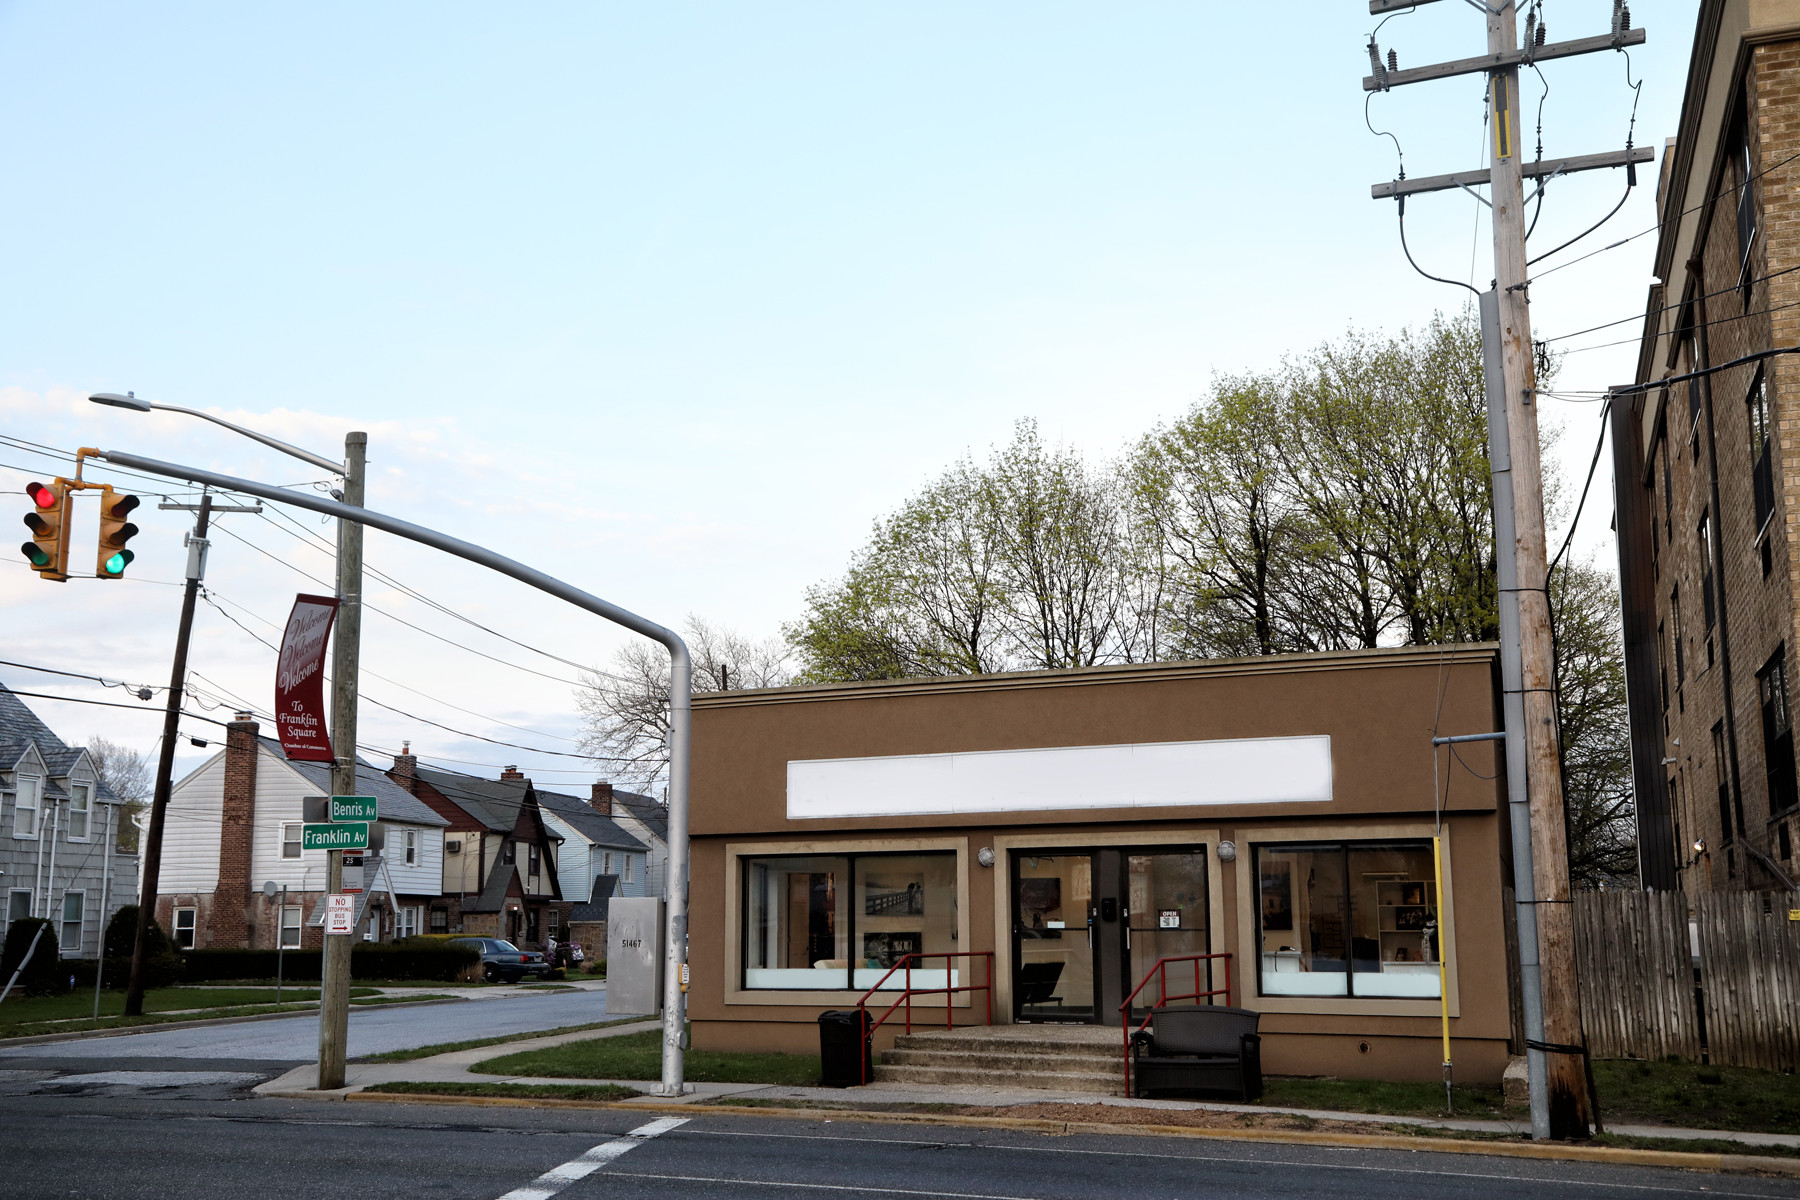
1058, 1058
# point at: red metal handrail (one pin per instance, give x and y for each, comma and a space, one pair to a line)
906, 995
1160, 972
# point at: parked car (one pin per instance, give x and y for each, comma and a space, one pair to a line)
503, 962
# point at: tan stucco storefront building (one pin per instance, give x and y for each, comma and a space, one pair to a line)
1078, 825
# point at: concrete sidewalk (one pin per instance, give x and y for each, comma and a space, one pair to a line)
454, 1067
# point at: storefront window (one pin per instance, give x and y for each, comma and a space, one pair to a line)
833, 922
1348, 919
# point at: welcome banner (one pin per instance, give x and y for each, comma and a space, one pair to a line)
300, 680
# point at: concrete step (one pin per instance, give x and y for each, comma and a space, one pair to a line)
990, 1059
1052, 1081
1043, 1044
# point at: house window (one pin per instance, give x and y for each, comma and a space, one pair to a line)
81, 804
531, 859
26, 805
290, 839
553, 921
1348, 919
291, 926
1778, 732
825, 921
440, 920
74, 920
506, 851
626, 876
18, 905
411, 841
185, 921
606, 863
406, 921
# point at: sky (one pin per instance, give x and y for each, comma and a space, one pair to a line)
674, 301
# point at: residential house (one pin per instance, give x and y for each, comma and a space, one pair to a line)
596, 861
645, 819
234, 824
499, 874
59, 828
1707, 491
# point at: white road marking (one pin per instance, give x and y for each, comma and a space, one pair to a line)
557, 1178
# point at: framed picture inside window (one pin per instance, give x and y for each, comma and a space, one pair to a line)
886, 949
894, 895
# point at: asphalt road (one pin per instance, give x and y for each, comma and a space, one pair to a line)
373, 1030
96, 1139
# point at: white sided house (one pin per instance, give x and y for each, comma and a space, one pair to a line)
234, 825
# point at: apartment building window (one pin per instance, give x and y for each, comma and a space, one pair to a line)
1762, 479
1693, 395
1662, 671
1668, 485
74, 921
290, 926
81, 804
1680, 650
1784, 841
1708, 603
186, 920
290, 839
26, 805
1778, 732
1724, 780
1746, 212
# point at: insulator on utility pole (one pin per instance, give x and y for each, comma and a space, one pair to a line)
1542, 32
1393, 60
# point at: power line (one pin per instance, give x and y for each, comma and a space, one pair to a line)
80, 675
1657, 312
138, 708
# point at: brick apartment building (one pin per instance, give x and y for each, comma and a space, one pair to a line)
1707, 471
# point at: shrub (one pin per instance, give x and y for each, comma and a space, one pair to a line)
162, 965
44, 974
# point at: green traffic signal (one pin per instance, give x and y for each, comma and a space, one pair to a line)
115, 565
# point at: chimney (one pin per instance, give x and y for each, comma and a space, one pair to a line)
602, 799
228, 921
512, 772
406, 768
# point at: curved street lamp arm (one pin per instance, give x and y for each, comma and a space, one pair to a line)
336, 468
680, 695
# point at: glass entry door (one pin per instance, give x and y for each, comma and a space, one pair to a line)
1053, 947
1088, 926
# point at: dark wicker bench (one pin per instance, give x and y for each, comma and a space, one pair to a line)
1208, 1048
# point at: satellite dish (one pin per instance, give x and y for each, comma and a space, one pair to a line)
270, 890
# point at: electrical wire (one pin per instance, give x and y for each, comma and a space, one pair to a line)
79, 675
1699, 325
1657, 312
1599, 444
1415, 266
107, 704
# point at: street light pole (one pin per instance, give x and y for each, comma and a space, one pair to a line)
334, 984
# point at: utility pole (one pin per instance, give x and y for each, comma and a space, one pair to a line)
1559, 1100
165, 764
334, 984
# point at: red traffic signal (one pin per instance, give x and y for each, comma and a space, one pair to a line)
48, 549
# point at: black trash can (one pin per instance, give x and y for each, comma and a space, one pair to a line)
844, 1047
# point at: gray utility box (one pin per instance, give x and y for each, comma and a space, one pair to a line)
634, 955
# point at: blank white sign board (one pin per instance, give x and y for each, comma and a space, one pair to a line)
1141, 775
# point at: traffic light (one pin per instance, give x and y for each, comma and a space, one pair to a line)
112, 559
48, 549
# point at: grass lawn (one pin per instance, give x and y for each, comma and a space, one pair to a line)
1679, 1093
529, 1091
639, 1056
1388, 1098
80, 1003
450, 1047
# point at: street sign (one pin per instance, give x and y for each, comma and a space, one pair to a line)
351, 878
348, 835
340, 913
352, 808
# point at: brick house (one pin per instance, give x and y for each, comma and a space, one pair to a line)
234, 824
1707, 472
499, 866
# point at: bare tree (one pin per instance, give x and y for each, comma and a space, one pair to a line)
127, 774
625, 712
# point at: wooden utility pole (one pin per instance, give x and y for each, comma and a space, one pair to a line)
1558, 1081
334, 984
1564, 1077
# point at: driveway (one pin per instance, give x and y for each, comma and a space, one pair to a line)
374, 1030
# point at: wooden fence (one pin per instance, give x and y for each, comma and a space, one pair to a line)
1639, 995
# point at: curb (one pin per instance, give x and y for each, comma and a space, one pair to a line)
1676, 1159
74, 1035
